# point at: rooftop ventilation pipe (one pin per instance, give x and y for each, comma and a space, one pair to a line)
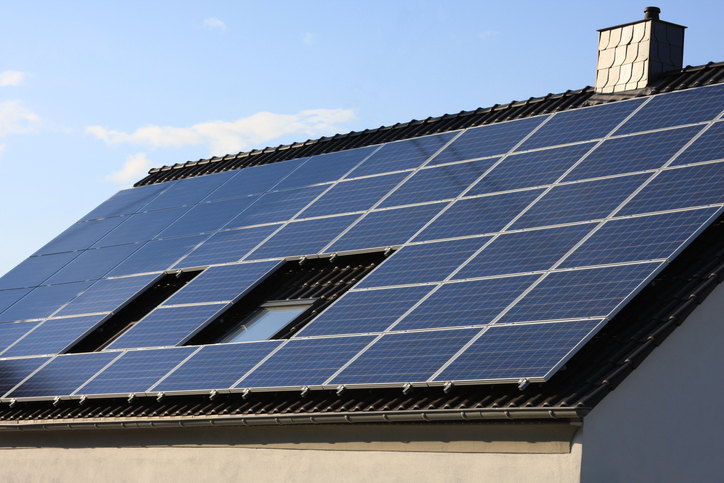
633, 55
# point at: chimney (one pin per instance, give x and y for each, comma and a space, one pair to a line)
634, 55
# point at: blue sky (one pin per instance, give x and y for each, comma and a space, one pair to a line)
92, 95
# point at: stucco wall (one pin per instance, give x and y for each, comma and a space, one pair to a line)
665, 421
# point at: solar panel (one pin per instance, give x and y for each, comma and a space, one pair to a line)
43, 301
141, 227
11, 332
227, 246
157, 255
216, 366
354, 195
276, 206
9, 297
53, 336
254, 180
188, 191
708, 147
107, 295
325, 168
34, 270
222, 284
81, 235
127, 202
438, 183
400, 155
207, 217
93, 264
13, 371
517, 351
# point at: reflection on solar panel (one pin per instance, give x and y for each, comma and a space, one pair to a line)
515, 242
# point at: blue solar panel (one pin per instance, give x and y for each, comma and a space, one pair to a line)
708, 147
326, 167
515, 351
34, 270
141, 227
63, 375
431, 262
167, 326
81, 235
158, 255
303, 237
475, 216
633, 153
11, 332
53, 336
580, 293
641, 238
400, 358
217, 366
43, 301
355, 195
226, 283
367, 311
108, 295
207, 217
526, 170
188, 191
581, 124
438, 183
9, 297
386, 228
466, 303
254, 180
676, 108
127, 202
488, 140
305, 362
276, 206
399, 155
12, 371
680, 188
580, 201
526, 251
93, 264
136, 371
227, 246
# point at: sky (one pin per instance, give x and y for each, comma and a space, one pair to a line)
94, 94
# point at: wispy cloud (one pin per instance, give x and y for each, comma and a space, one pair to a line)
310, 38
135, 166
222, 137
17, 119
12, 78
213, 23
487, 34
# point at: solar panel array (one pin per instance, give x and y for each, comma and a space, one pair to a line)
515, 243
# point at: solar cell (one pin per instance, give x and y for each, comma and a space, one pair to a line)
401, 358
641, 238
207, 217
9, 297
34, 270
107, 295
431, 262
157, 255
188, 191
580, 293
400, 155
676, 108
13, 371
516, 351
226, 246
93, 264
438, 183
64, 374
708, 147
583, 201
367, 311
305, 362
11, 332
53, 336
136, 371
526, 251
466, 303
217, 366
633, 153
326, 167
167, 326
80, 236
43, 301
526, 170
141, 227
475, 216
680, 188
490, 140
254, 180
386, 228
127, 202
354, 195
303, 237
226, 283
276, 206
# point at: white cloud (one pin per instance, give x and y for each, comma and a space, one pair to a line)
135, 166
16, 118
2, 150
11, 78
310, 38
487, 34
212, 23
223, 137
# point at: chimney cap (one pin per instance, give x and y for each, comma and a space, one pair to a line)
651, 13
